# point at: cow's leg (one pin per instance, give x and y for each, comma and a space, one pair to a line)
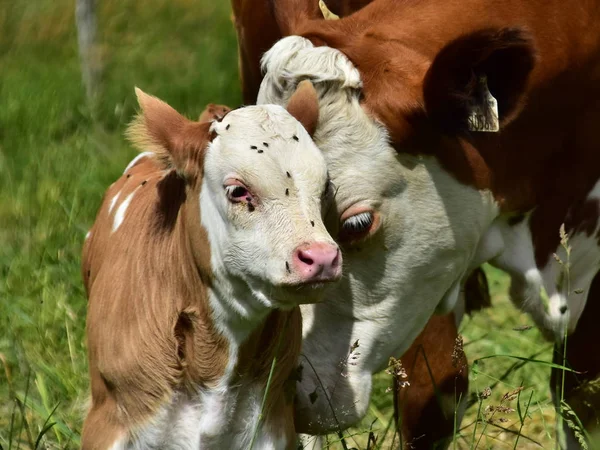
438, 377
582, 389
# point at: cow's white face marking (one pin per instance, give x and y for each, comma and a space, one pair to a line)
420, 242
264, 189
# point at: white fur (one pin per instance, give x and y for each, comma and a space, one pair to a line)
113, 201
87, 235
135, 160
424, 247
121, 210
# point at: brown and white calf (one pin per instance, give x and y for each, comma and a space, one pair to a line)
199, 257
456, 133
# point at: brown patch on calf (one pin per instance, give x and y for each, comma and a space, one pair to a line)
214, 112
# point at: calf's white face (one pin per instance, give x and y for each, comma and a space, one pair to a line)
264, 190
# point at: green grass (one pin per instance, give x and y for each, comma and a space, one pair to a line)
55, 164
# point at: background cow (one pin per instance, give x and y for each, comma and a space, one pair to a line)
430, 73
194, 268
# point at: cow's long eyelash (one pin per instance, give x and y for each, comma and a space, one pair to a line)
359, 222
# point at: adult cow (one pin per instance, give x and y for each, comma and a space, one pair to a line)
405, 90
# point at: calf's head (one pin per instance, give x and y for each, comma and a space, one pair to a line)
258, 186
410, 228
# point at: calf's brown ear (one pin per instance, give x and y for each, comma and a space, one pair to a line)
214, 112
304, 106
478, 81
177, 141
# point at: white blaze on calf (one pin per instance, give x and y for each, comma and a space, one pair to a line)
121, 210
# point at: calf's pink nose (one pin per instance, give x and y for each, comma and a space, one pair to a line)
318, 261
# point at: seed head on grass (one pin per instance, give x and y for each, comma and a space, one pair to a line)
510, 396
458, 354
398, 372
486, 393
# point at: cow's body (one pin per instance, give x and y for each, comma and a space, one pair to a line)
396, 83
182, 327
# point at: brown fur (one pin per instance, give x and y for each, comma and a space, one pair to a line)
433, 376
213, 112
149, 328
304, 106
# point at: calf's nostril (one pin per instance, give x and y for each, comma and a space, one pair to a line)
305, 258
336, 260
563, 309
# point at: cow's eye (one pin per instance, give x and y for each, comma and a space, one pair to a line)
357, 226
237, 193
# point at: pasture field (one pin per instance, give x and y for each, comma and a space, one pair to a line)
56, 162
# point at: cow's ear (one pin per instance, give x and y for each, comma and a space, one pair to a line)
478, 81
177, 141
304, 106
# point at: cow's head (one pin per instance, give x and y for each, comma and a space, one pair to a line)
257, 186
409, 225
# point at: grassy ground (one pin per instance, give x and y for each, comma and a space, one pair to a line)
54, 166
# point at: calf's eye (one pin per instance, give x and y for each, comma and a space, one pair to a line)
237, 193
